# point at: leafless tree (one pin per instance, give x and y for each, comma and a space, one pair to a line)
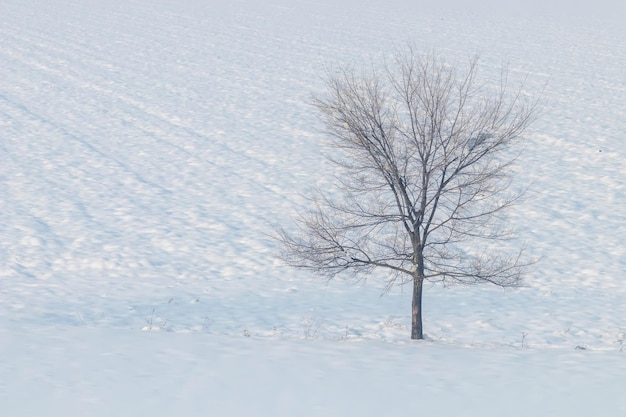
423, 154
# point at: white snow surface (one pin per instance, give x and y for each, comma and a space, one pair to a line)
147, 148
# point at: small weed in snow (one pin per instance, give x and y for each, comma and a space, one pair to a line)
312, 326
151, 325
524, 334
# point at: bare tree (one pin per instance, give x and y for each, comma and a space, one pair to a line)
423, 153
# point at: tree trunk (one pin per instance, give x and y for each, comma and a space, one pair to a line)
416, 316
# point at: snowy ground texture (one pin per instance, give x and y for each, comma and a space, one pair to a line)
147, 147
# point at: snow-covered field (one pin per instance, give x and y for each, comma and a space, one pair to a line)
147, 148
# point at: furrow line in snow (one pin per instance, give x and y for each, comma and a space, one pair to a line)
63, 79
